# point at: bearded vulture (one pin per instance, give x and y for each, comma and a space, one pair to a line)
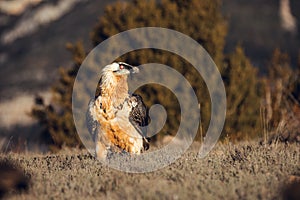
115, 118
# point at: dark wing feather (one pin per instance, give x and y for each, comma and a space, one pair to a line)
139, 113
139, 117
91, 121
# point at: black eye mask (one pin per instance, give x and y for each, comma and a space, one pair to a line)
125, 66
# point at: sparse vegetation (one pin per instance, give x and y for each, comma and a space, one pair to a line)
242, 171
282, 99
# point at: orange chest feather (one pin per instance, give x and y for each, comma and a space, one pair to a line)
117, 136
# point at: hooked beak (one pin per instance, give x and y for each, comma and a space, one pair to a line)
134, 70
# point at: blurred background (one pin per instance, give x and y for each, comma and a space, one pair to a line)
34, 35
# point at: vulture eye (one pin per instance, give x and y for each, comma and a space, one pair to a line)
121, 67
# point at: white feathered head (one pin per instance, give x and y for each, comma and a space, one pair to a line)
119, 69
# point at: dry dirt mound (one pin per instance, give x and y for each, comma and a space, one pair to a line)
12, 178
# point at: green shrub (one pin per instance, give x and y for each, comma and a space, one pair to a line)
243, 100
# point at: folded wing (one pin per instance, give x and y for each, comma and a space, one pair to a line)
139, 117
